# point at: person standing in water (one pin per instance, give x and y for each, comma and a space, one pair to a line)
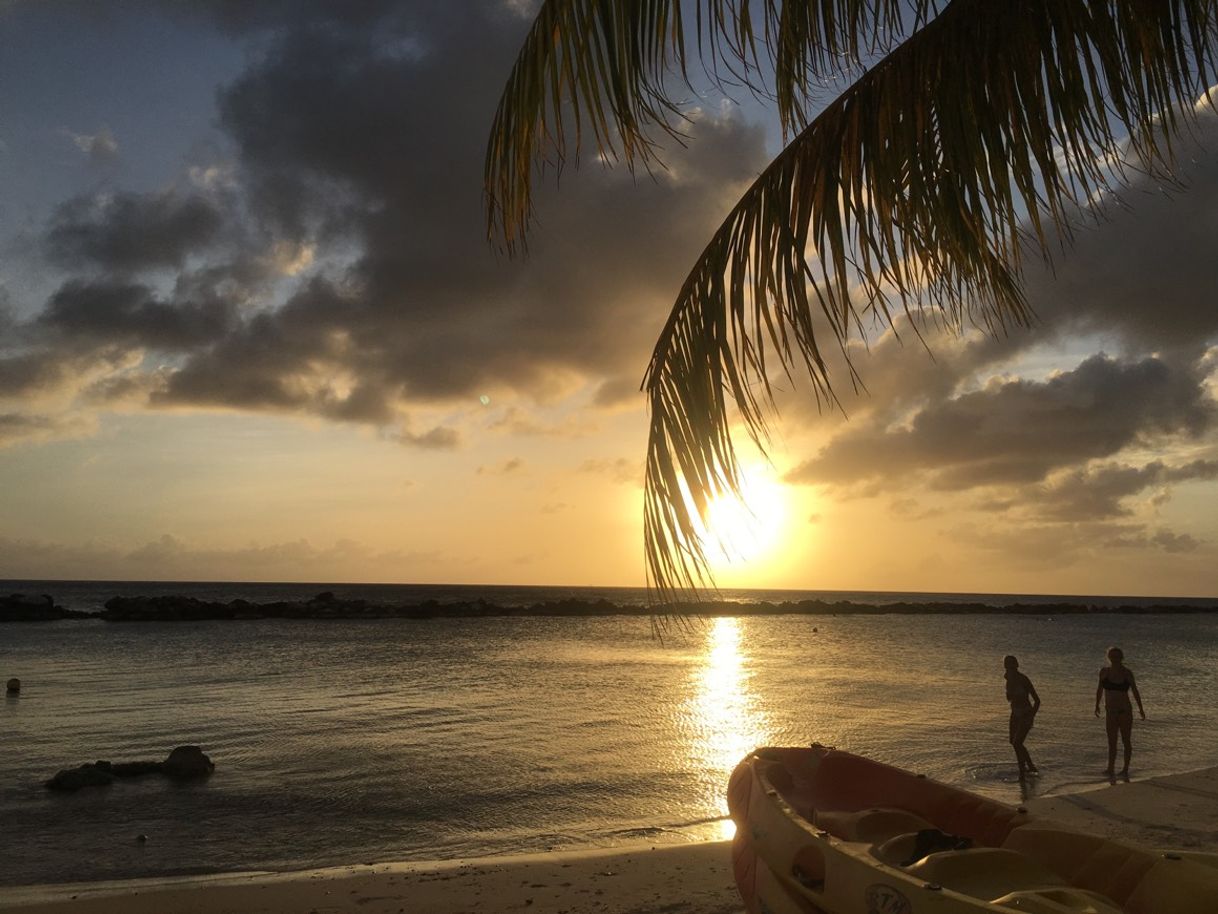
1024, 705
1116, 682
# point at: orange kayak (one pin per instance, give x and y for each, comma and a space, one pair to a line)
819, 831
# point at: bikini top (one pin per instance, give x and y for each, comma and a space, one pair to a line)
1115, 686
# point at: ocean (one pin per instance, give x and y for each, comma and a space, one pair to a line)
358, 741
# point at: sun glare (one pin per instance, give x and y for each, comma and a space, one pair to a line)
745, 529
727, 721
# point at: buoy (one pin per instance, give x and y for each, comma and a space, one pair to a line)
14, 686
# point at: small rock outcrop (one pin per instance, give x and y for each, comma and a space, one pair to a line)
20, 607
13, 686
185, 763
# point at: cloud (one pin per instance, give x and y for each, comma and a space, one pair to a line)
1160, 539
1018, 431
49, 376
117, 312
128, 232
1138, 282
1100, 492
621, 470
336, 266
1048, 547
508, 467
169, 558
101, 147
439, 438
24, 428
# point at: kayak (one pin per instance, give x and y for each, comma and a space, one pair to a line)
821, 831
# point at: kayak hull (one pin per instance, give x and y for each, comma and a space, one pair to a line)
820, 831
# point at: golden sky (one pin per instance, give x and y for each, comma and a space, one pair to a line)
251, 329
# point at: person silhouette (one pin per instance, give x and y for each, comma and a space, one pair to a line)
1116, 682
1024, 705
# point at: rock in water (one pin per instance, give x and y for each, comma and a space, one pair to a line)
186, 762
72, 779
14, 686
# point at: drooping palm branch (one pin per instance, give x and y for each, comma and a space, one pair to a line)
970, 132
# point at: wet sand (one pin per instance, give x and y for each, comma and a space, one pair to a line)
1178, 811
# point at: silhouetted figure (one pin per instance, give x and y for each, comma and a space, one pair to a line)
1024, 705
1116, 682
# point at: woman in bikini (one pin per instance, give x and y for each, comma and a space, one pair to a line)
1024, 705
1116, 682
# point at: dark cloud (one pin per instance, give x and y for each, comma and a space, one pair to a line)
1099, 492
1146, 274
346, 142
128, 232
119, 312
29, 372
240, 17
1019, 431
339, 267
44, 373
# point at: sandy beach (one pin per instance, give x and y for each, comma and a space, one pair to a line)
1177, 811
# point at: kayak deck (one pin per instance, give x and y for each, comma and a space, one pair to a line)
825, 831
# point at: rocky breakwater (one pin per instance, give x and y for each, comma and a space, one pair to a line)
185, 763
20, 607
172, 608
328, 606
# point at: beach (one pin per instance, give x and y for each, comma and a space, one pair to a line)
1175, 811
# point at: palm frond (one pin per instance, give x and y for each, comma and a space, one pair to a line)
922, 184
605, 67
982, 127
586, 65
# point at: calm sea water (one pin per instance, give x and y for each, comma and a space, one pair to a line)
339, 742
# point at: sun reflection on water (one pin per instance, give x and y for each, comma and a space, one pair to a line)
725, 718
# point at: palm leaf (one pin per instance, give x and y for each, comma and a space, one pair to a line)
923, 185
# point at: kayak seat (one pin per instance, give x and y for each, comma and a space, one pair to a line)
1057, 901
984, 872
1111, 869
907, 849
871, 825
847, 782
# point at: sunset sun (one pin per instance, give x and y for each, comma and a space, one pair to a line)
747, 528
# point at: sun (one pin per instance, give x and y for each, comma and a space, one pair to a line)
744, 529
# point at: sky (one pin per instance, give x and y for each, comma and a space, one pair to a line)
251, 328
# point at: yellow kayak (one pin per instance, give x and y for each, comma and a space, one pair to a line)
819, 831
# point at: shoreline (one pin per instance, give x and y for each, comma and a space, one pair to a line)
1178, 811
